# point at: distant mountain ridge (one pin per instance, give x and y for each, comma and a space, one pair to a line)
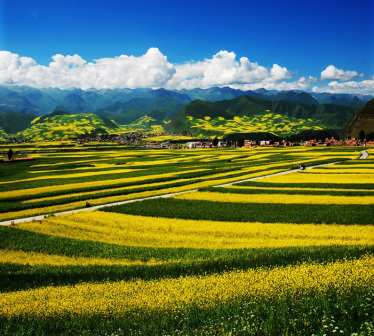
44, 101
178, 111
160, 105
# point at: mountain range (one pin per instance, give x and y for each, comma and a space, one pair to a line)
44, 101
178, 111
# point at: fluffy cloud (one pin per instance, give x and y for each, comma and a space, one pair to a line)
149, 70
224, 69
333, 73
152, 70
363, 87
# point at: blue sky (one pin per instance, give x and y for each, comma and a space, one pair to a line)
196, 42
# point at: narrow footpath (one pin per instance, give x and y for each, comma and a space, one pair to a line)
364, 155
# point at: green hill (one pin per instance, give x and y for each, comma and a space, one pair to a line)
159, 107
13, 122
298, 97
62, 126
362, 120
144, 124
254, 114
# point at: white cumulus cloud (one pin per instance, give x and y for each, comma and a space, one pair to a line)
152, 70
149, 70
224, 69
333, 73
279, 73
363, 87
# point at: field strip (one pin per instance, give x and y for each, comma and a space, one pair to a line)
280, 173
364, 155
41, 217
93, 208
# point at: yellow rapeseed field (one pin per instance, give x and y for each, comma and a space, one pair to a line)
76, 175
116, 299
206, 182
38, 259
276, 198
130, 230
310, 177
340, 170
82, 185
280, 188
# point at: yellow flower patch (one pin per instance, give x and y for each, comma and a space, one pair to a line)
310, 177
39, 259
236, 186
128, 298
276, 198
130, 230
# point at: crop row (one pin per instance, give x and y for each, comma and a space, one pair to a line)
187, 304
67, 192
13, 209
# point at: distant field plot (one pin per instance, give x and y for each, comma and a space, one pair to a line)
281, 255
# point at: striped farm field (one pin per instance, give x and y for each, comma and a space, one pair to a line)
57, 182
240, 252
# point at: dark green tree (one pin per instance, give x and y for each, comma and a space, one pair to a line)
215, 142
370, 136
361, 135
10, 154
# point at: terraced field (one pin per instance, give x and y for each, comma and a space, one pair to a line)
64, 127
288, 254
265, 121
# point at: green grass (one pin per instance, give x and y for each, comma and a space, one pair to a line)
250, 212
288, 192
337, 186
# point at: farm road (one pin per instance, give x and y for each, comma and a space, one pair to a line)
97, 207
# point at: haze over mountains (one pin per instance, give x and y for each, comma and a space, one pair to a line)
20, 105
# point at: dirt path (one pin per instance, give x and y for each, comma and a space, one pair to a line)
93, 208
